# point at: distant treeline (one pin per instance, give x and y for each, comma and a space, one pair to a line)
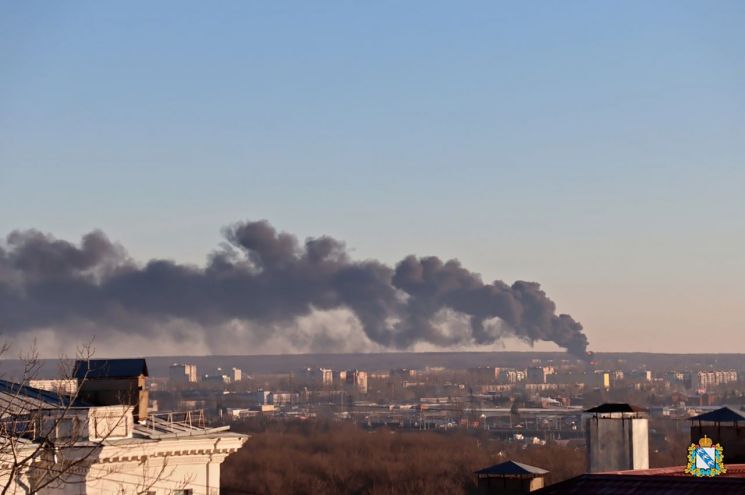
340, 458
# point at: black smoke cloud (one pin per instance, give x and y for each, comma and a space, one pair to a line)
269, 279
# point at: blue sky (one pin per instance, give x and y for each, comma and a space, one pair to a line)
595, 147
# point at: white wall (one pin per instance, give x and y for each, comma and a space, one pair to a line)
616, 444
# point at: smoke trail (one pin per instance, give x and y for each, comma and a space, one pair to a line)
267, 279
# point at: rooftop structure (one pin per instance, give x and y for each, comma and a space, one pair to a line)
667, 481
722, 415
83, 447
620, 408
510, 477
109, 368
724, 426
617, 437
105, 382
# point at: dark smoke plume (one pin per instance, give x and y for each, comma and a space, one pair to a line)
270, 279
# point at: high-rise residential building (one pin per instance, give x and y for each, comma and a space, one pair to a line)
602, 379
182, 373
358, 379
703, 380
539, 374
237, 374
327, 377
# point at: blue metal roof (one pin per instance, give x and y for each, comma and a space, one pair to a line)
614, 407
723, 415
16, 390
109, 368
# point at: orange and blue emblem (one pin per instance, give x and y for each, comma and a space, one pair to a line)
705, 458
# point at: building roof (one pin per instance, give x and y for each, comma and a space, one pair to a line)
17, 399
611, 407
640, 484
733, 471
723, 415
110, 368
511, 468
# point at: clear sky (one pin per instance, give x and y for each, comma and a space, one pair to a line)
595, 147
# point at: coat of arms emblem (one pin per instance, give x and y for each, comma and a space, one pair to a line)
705, 459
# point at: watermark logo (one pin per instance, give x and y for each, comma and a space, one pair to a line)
705, 458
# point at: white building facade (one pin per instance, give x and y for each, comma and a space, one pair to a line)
50, 444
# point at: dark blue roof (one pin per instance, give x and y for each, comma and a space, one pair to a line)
45, 396
110, 368
723, 415
512, 468
614, 407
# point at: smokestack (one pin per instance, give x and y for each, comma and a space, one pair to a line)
267, 280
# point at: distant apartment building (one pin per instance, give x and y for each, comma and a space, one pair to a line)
237, 374
357, 379
401, 374
261, 397
482, 374
218, 378
683, 378
640, 376
339, 377
703, 380
181, 374
539, 374
602, 379
314, 377
327, 377
491, 389
541, 387
571, 378
285, 398
512, 376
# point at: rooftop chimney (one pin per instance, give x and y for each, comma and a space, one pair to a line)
617, 437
